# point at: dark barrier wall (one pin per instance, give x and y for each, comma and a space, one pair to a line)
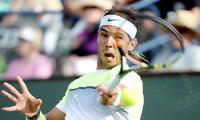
167, 97
174, 97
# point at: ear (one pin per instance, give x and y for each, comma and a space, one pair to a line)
133, 44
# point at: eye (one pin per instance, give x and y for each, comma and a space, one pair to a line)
105, 35
119, 37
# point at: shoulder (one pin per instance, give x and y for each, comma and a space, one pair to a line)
132, 79
91, 80
44, 60
133, 75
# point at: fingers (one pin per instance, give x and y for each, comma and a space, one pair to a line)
22, 84
8, 95
101, 89
12, 89
113, 93
108, 98
10, 109
28, 95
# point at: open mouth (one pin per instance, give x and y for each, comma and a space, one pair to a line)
109, 55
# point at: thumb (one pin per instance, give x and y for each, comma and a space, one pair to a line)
101, 89
37, 102
34, 101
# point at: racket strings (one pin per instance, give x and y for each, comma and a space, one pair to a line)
141, 62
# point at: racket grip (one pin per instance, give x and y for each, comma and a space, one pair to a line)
113, 84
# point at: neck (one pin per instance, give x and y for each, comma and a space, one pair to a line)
101, 65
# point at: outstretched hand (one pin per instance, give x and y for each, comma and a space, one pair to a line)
25, 103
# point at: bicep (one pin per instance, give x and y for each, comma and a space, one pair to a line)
55, 114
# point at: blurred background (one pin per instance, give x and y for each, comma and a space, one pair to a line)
51, 42
43, 38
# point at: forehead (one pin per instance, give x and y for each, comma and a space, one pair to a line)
112, 30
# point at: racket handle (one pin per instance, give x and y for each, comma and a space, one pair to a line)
113, 84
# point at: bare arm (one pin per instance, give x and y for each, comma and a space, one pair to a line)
55, 114
27, 104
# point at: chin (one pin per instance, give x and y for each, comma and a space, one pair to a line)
110, 65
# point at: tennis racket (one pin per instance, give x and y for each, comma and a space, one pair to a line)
139, 59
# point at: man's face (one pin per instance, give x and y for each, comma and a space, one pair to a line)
109, 38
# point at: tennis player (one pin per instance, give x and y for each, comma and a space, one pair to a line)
86, 98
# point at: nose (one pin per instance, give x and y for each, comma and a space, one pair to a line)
110, 42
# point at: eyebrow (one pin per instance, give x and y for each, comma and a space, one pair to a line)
103, 29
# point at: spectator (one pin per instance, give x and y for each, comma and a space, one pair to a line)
2, 64
51, 24
31, 64
149, 30
83, 37
69, 17
196, 11
185, 22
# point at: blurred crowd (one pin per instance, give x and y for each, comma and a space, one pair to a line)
44, 38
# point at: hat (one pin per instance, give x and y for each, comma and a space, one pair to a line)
102, 4
186, 19
31, 34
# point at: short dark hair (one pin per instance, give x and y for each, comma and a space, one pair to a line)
126, 13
